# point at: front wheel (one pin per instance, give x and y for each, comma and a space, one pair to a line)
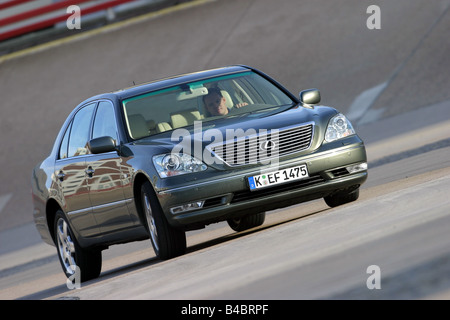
247, 222
72, 257
168, 242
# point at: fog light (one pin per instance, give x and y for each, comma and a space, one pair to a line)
187, 207
357, 167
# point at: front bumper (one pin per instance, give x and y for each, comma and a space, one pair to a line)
228, 195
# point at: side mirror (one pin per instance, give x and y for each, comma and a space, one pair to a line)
309, 97
102, 145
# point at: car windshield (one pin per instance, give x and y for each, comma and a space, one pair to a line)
212, 99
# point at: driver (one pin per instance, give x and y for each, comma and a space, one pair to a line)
215, 103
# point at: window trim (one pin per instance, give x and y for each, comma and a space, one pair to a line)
70, 124
91, 131
67, 130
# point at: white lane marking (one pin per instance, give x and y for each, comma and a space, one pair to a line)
4, 200
362, 103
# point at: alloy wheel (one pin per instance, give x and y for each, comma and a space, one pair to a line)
66, 246
151, 222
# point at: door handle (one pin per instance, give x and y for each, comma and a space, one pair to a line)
90, 172
61, 175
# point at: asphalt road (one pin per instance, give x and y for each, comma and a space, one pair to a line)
392, 82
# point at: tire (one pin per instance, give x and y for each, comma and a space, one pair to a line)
73, 257
167, 242
247, 222
341, 198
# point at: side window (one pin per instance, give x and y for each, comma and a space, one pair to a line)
105, 121
65, 143
79, 134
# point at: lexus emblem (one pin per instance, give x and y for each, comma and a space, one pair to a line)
268, 145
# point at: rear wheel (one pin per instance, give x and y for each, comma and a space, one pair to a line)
247, 222
341, 198
168, 242
72, 257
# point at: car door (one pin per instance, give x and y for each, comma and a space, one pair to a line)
105, 178
70, 174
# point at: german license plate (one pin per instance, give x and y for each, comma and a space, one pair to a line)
277, 177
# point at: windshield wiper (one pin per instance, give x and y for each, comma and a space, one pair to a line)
278, 109
282, 108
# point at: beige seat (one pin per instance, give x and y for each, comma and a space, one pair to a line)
163, 126
185, 118
138, 126
228, 100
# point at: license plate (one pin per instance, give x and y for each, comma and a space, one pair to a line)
277, 177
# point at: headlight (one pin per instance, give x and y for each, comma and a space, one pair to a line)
339, 127
172, 164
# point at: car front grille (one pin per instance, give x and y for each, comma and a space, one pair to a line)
264, 146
